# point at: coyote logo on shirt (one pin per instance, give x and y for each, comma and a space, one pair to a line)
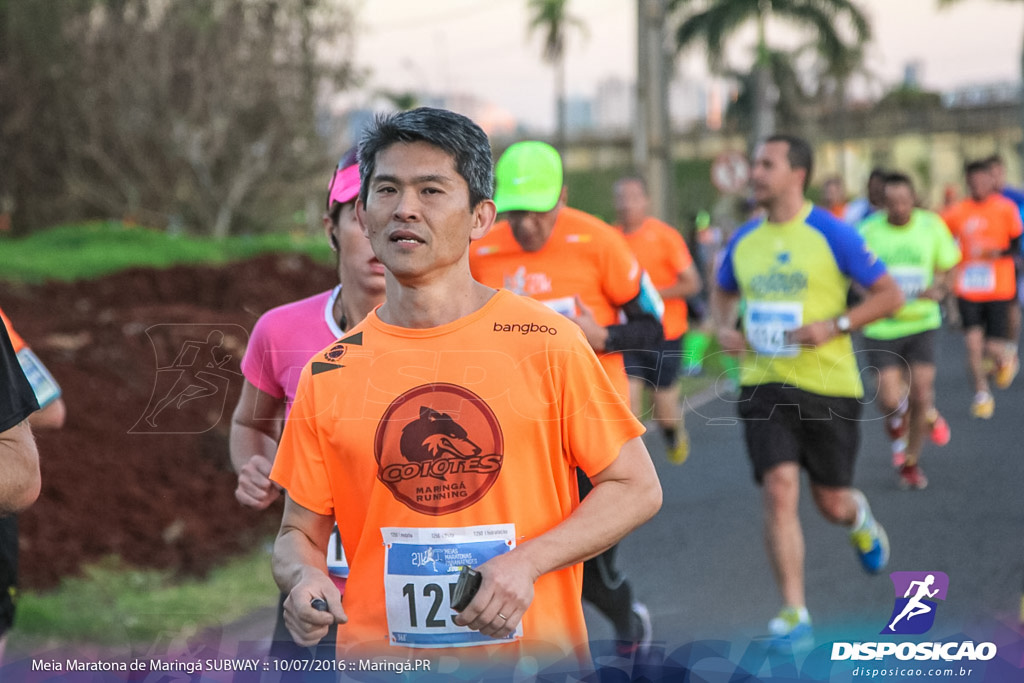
435, 435
439, 448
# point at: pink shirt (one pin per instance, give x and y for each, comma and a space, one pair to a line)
283, 341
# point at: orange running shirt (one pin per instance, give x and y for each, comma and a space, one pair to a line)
16, 339
663, 253
442, 447
983, 226
584, 256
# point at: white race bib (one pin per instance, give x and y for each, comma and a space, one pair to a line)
337, 565
978, 278
566, 306
421, 568
912, 281
767, 324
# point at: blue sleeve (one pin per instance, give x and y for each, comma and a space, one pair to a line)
726, 277
853, 256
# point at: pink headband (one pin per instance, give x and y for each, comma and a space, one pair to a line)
344, 185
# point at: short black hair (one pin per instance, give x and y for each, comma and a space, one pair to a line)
897, 178
453, 133
799, 155
976, 166
995, 160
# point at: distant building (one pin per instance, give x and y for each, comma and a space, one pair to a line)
579, 114
614, 103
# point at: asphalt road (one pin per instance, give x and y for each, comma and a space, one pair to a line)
701, 568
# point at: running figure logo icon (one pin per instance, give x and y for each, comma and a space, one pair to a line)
914, 609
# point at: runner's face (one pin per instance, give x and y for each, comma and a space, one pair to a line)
417, 212
899, 202
772, 177
357, 266
833, 192
532, 229
981, 184
631, 202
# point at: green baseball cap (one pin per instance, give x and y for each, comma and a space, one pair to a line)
528, 177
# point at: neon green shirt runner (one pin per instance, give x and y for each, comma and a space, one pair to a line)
912, 253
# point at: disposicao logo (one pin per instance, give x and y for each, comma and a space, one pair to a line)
914, 609
913, 613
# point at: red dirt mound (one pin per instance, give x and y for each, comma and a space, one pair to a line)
149, 364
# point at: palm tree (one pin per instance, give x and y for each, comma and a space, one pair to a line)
713, 22
552, 19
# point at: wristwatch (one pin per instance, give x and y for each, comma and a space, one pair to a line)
843, 324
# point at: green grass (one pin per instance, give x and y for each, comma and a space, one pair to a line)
112, 604
89, 250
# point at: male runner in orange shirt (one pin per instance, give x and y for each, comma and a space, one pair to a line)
581, 267
664, 256
988, 227
444, 431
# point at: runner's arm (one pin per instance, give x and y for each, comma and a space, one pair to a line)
1014, 248
19, 469
724, 313
255, 431
642, 329
883, 299
50, 416
300, 570
687, 284
626, 494
942, 284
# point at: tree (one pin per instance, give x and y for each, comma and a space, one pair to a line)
552, 19
792, 107
839, 28
201, 113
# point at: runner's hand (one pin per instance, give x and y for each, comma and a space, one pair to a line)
255, 489
813, 334
596, 334
731, 340
505, 593
306, 624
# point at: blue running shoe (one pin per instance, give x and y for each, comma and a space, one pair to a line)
791, 630
869, 539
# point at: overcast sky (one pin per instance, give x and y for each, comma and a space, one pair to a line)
482, 47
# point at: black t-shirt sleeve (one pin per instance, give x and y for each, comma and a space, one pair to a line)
17, 400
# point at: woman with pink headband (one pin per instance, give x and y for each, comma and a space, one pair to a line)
282, 342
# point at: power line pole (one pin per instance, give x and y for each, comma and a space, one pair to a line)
652, 142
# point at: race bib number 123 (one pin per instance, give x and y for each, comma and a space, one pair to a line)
421, 568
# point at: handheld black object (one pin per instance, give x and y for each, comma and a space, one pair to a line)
319, 604
466, 588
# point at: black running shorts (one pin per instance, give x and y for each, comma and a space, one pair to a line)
660, 368
785, 424
992, 316
914, 349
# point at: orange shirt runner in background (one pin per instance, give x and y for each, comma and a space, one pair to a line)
584, 256
663, 253
984, 226
442, 447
